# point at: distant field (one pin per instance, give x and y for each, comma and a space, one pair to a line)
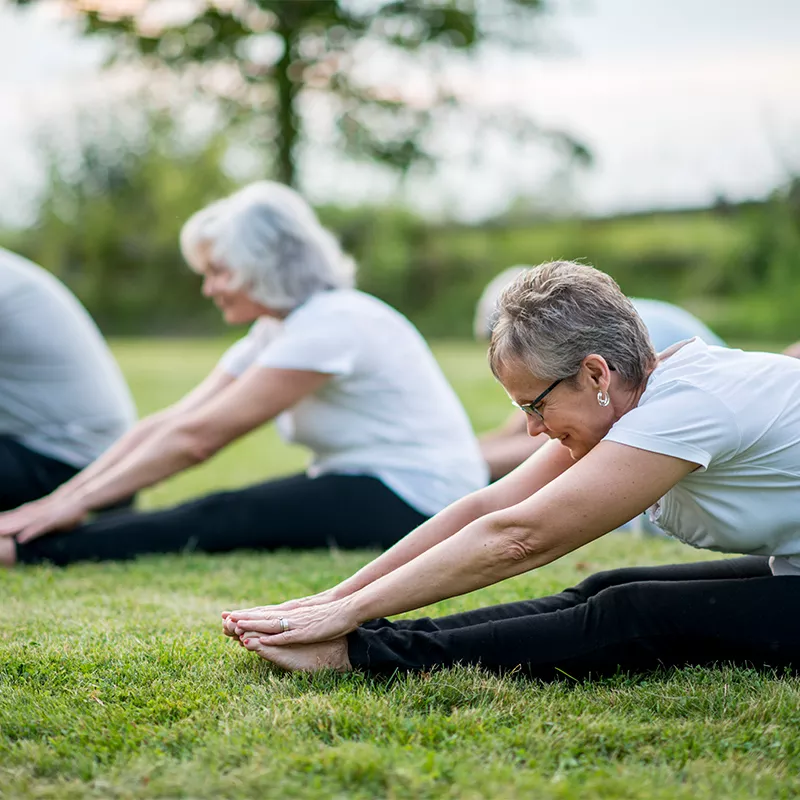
116, 683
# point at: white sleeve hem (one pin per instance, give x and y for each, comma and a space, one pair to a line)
340, 366
657, 444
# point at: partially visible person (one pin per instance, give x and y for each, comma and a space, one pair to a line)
339, 371
793, 350
63, 400
508, 445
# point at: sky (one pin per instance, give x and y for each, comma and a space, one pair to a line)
680, 102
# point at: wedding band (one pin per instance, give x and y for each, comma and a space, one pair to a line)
284, 623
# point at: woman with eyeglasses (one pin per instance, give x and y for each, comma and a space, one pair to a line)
508, 445
707, 438
339, 371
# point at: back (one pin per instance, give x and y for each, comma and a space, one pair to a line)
387, 411
736, 415
61, 392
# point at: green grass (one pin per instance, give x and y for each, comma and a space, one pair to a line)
116, 683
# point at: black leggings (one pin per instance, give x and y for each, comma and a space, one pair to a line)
26, 475
633, 619
346, 511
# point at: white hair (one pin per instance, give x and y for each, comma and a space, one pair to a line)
486, 311
273, 243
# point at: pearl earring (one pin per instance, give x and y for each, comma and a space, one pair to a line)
603, 399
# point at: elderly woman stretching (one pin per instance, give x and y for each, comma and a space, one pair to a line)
342, 374
707, 438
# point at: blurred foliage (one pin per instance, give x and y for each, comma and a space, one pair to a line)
109, 221
111, 213
378, 68
735, 266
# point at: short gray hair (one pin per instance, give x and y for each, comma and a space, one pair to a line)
272, 241
554, 315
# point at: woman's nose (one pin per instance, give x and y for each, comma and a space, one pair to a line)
208, 286
535, 425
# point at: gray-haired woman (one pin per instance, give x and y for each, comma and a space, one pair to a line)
506, 447
707, 437
339, 371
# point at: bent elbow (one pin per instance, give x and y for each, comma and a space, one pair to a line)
200, 449
194, 446
520, 544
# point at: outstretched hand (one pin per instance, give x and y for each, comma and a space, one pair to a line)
230, 619
306, 624
42, 516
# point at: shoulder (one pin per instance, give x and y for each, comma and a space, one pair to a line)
344, 308
684, 410
18, 274
691, 373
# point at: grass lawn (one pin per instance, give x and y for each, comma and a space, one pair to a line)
115, 681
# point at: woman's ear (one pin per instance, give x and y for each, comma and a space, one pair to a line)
597, 371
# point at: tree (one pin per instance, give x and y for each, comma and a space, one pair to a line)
110, 215
268, 63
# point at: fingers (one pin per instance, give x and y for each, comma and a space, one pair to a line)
31, 532
13, 522
236, 627
248, 613
271, 626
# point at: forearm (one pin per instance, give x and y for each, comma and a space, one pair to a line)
428, 535
486, 551
551, 461
125, 445
163, 453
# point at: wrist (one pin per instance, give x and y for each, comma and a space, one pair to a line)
335, 593
80, 500
356, 608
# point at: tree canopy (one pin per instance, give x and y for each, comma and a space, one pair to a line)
378, 72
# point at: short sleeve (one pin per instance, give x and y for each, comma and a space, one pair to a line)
681, 420
242, 354
317, 340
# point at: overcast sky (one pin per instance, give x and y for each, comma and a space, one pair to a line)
679, 101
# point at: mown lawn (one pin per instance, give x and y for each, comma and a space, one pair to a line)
115, 681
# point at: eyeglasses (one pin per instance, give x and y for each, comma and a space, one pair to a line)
530, 408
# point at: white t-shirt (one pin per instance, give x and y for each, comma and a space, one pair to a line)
61, 392
737, 415
388, 410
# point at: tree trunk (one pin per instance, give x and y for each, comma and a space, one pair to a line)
288, 120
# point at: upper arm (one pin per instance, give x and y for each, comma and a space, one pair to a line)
249, 401
609, 486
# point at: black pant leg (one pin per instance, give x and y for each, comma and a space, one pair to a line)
745, 567
633, 626
26, 475
296, 512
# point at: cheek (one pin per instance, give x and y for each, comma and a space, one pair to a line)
586, 419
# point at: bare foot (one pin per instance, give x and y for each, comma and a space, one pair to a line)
302, 657
8, 551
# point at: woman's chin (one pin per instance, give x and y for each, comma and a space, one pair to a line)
576, 449
234, 317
